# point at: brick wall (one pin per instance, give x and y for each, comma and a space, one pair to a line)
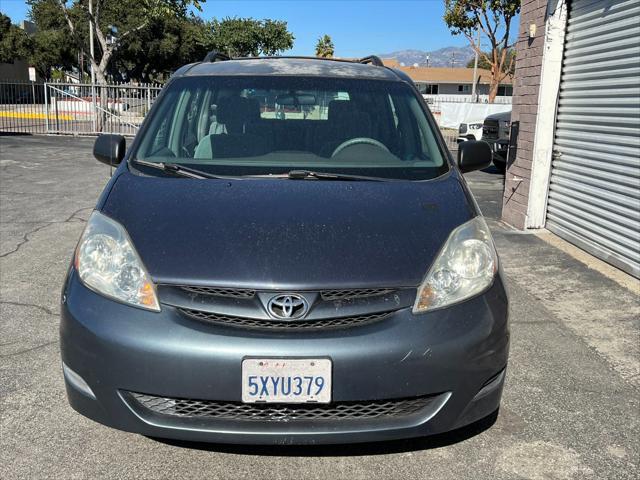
525, 105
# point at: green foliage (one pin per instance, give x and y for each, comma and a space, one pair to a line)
121, 25
147, 39
162, 47
493, 19
483, 61
324, 47
14, 42
465, 16
246, 37
52, 47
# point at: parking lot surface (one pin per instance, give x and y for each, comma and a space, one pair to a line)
570, 408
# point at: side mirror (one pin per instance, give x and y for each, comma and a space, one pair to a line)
473, 155
109, 148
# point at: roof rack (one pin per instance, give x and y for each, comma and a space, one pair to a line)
215, 56
373, 60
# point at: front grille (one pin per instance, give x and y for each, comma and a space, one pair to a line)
490, 129
330, 295
244, 322
339, 411
220, 292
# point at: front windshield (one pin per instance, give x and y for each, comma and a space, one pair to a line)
270, 125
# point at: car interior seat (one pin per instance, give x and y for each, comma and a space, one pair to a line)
230, 135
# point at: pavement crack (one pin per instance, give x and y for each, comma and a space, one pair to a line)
27, 350
73, 218
25, 239
533, 322
32, 305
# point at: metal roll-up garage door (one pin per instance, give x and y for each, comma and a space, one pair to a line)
594, 191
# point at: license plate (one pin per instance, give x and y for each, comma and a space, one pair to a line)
286, 380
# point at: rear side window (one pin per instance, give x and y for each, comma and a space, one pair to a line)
279, 104
269, 125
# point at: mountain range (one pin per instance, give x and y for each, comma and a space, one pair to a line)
444, 57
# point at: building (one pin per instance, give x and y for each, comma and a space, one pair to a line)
451, 81
574, 165
454, 81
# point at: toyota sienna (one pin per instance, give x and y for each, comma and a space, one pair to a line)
286, 253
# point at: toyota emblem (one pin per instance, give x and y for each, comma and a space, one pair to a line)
287, 307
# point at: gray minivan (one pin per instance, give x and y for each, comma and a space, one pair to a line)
287, 253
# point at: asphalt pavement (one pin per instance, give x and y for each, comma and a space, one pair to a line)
570, 408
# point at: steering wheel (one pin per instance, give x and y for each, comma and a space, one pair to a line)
357, 140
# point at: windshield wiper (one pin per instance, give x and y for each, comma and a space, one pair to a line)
306, 174
181, 170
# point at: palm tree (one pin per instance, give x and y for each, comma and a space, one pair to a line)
324, 47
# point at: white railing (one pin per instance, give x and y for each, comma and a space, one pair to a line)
82, 109
438, 99
74, 108
452, 110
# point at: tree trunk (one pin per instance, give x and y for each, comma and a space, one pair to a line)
493, 86
101, 100
100, 76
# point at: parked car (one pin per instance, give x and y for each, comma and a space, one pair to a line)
470, 130
320, 279
495, 132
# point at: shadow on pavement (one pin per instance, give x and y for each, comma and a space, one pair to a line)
344, 450
493, 170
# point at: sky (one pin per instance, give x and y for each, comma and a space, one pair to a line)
357, 27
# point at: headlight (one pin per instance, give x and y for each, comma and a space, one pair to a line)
475, 126
108, 264
465, 267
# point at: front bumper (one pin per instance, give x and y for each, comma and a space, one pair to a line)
446, 356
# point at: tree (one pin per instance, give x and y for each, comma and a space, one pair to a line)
164, 44
162, 47
51, 47
14, 42
483, 62
324, 47
113, 22
493, 18
247, 37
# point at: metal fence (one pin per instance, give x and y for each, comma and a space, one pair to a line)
22, 107
74, 108
84, 109
450, 136
439, 99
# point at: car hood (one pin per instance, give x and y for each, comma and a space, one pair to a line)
285, 234
499, 116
